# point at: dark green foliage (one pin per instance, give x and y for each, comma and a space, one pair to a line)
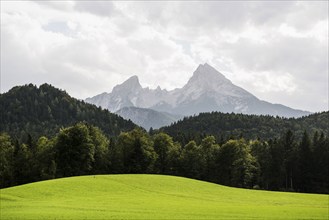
261, 152
191, 160
237, 167
74, 151
43, 111
45, 140
230, 126
45, 155
276, 180
21, 164
135, 152
209, 149
320, 180
82, 149
101, 157
6, 160
306, 163
166, 151
290, 161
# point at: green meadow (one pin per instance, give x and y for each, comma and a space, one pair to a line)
153, 197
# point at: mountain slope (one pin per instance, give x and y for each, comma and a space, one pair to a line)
224, 125
44, 110
148, 118
207, 90
153, 197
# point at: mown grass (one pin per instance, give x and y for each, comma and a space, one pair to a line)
153, 197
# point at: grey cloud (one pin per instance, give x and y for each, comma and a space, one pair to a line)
205, 17
192, 14
306, 12
100, 8
57, 5
269, 12
230, 15
155, 48
18, 65
303, 57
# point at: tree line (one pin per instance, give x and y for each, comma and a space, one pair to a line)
226, 125
45, 109
285, 163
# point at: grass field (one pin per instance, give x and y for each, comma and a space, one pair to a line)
153, 197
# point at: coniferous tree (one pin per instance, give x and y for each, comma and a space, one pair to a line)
261, 152
209, 149
306, 163
290, 161
320, 164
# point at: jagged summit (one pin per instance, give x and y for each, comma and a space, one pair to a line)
206, 75
131, 84
207, 90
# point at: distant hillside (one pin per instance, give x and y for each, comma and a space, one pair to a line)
224, 125
44, 110
148, 118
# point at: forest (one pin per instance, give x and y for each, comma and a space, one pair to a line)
44, 110
225, 125
285, 164
46, 134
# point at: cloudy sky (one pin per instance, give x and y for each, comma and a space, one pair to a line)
276, 50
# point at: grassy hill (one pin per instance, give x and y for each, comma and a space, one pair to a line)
152, 197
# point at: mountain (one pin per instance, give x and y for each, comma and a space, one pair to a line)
207, 90
148, 118
226, 125
44, 110
129, 94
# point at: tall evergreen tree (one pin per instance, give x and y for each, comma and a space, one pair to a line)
209, 149
305, 163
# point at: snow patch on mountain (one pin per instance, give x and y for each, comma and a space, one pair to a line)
207, 90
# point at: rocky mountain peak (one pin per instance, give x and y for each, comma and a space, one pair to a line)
205, 76
207, 90
131, 84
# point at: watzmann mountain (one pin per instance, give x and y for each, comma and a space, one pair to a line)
206, 91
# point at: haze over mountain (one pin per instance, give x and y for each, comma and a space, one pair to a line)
206, 91
148, 118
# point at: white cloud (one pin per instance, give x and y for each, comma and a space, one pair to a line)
276, 50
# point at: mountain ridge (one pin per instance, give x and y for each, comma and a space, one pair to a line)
207, 90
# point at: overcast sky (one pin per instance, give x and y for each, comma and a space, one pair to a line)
276, 50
